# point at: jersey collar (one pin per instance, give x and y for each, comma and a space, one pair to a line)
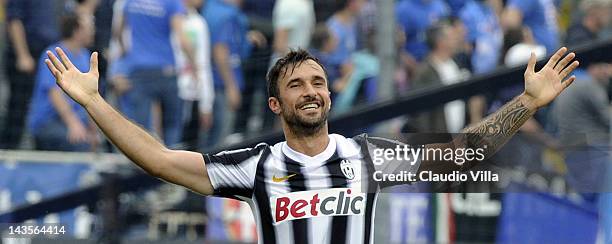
305, 159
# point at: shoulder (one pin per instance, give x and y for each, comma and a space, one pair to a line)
381, 142
237, 156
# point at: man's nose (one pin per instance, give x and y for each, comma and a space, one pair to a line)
309, 91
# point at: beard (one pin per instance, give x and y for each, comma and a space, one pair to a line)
300, 125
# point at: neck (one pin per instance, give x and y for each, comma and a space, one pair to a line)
311, 144
345, 16
441, 55
72, 45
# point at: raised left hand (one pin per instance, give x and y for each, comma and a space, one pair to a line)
545, 85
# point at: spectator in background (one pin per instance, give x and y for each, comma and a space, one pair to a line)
31, 26
595, 19
539, 15
342, 25
119, 70
103, 13
366, 23
583, 118
518, 46
440, 69
151, 60
455, 6
56, 121
518, 43
414, 18
361, 84
294, 23
252, 109
231, 43
463, 54
197, 92
484, 33
323, 43
118, 74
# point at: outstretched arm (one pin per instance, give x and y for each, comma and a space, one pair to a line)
179, 167
494, 131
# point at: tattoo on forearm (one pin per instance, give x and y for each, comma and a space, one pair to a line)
495, 130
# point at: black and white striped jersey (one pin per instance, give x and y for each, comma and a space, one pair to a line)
295, 198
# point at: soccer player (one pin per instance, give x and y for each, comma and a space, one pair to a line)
307, 188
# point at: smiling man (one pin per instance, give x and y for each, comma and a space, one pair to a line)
315, 187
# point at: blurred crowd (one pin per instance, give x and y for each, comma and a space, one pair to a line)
193, 71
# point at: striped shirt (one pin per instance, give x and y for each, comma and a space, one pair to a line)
296, 198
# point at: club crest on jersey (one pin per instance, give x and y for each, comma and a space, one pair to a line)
316, 203
347, 169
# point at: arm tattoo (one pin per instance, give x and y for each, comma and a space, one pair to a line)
495, 130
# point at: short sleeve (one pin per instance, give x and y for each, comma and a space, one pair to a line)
15, 9
524, 6
232, 173
224, 34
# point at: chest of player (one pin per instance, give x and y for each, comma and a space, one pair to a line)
286, 176
334, 187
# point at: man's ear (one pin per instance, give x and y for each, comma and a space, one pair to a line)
274, 105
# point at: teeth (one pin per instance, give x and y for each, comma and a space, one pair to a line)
310, 106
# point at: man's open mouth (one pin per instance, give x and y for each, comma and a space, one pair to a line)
310, 106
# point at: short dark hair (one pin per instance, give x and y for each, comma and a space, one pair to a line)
280, 68
70, 23
434, 33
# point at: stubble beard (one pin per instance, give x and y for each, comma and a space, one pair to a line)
302, 126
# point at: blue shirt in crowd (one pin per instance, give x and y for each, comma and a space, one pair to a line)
229, 26
41, 110
485, 33
455, 6
414, 17
346, 37
39, 20
149, 24
541, 17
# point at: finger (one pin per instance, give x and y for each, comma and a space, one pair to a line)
53, 70
58, 65
569, 69
564, 62
531, 64
64, 58
555, 57
93, 63
568, 82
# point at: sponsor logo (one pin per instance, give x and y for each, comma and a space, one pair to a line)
308, 204
281, 179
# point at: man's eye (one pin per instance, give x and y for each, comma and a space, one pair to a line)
294, 86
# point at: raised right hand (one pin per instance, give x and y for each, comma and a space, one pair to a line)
81, 87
